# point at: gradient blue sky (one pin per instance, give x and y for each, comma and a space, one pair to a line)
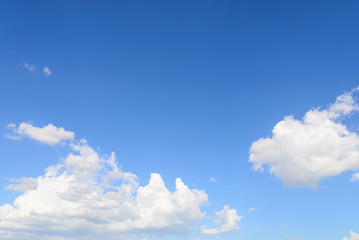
183, 89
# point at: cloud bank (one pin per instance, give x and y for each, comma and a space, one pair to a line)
302, 152
88, 196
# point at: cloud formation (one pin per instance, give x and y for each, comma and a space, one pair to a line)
302, 152
353, 236
46, 71
213, 180
23, 184
30, 67
88, 196
228, 217
49, 134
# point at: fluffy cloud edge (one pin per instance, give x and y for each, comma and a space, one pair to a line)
353, 236
229, 219
302, 152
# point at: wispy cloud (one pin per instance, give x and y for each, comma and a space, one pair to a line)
46, 71
30, 67
213, 180
302, 152
251, 210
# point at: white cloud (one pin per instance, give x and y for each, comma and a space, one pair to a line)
353, 236
46, 71
355, 177
301, 152
228, 217
87, 196
48, 134
30, 67
251, 210
213, 180
23, 184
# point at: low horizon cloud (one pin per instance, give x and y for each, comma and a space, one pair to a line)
87, 195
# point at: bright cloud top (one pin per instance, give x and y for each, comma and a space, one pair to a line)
301, 152
88, 196
353, 236
228, 217
49, 134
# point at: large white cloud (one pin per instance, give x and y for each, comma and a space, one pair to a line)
353, 236
301, 152
87, 196
229, 219
49, 134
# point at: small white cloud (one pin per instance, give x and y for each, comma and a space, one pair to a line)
212, 180
355, 177
30, 67
49, 134
228, 217
353, 236
46, 71
23, 184
251, 210
302, 152
259, 230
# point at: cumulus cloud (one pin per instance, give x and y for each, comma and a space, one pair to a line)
49, 134
302, 152
353, 236
87, 196
46, 71
229, 219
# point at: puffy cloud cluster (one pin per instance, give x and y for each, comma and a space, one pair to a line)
229, 219
87, 196
353, 236
49, 134
302, 152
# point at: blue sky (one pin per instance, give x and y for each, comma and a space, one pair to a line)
184, 89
